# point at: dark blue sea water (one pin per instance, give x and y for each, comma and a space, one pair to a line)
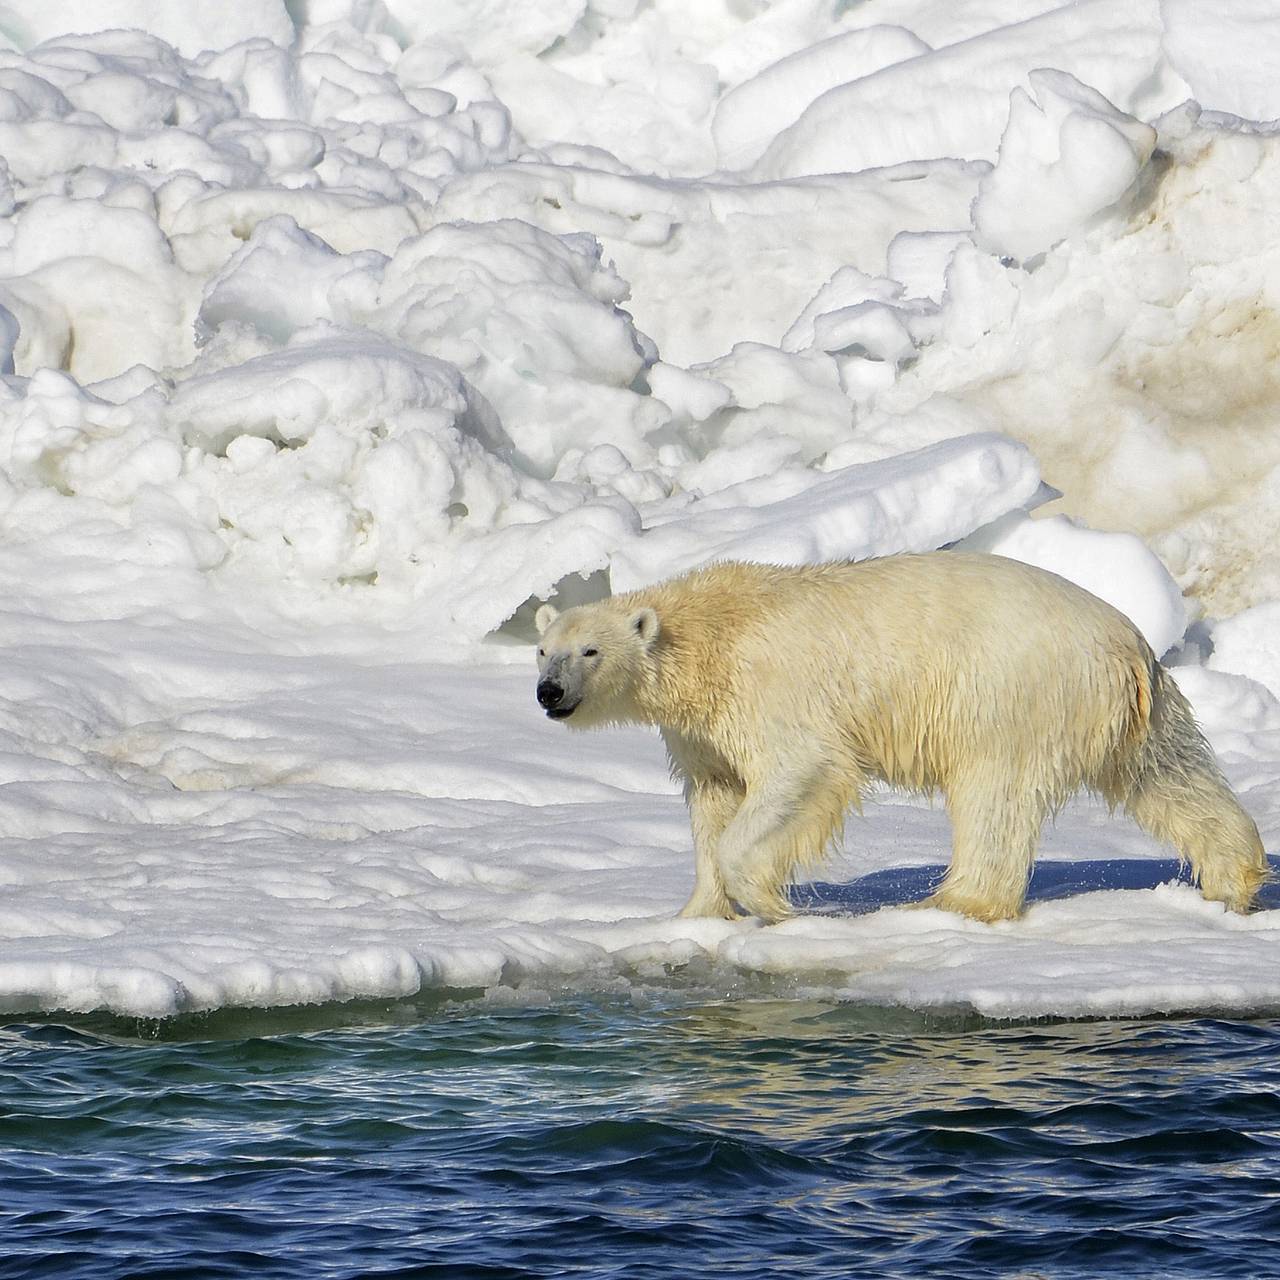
658, 1139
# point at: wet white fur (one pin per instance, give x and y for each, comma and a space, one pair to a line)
782, 692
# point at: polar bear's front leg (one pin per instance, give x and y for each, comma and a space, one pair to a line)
777, 829
712, 806
752, 859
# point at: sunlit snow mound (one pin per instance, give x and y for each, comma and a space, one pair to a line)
354, 303
334, 336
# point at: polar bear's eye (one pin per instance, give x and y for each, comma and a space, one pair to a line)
542, 653
590, 653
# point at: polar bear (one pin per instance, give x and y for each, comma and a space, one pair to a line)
781, 693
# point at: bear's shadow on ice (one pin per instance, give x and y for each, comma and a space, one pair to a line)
1049, 880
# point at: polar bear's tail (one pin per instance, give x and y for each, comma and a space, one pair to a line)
1177, 792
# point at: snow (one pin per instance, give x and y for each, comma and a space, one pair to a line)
752, 114
1065, 158
1249, 645
190, 33
954, 101
335, 337
1231, 59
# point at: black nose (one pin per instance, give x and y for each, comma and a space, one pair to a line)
549, 693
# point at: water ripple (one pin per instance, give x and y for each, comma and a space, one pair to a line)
748, 1139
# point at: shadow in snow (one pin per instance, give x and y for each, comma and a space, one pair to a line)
1048, 880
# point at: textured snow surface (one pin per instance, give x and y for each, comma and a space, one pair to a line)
335, 337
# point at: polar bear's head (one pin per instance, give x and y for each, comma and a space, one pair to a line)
591, 659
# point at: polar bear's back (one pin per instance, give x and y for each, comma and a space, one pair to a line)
904, 603
914, 667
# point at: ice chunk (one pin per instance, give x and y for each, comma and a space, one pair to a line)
751, 115
663, 235
1249, 645
918, 260
789, 404
189, 30
96, 288
286, 395
1229, 55
1065, 158
954, 101
688, 395
532, 320
914, 502
1117, 567
847, 288
869, 329
285, 279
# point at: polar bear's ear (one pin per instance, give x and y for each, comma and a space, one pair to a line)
545, 616
646, 625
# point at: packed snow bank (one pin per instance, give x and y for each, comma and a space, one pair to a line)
242, 247
1230, 56
751, 115
190, 30
364, 478
726, 235
1134, 360
247, 829
1127, 953
915, 502
1249, 645
954, 101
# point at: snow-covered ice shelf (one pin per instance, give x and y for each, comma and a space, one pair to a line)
333, 337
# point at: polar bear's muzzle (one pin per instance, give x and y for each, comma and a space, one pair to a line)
551, 698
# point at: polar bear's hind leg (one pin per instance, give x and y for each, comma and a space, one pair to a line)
1178, 794
996, 816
